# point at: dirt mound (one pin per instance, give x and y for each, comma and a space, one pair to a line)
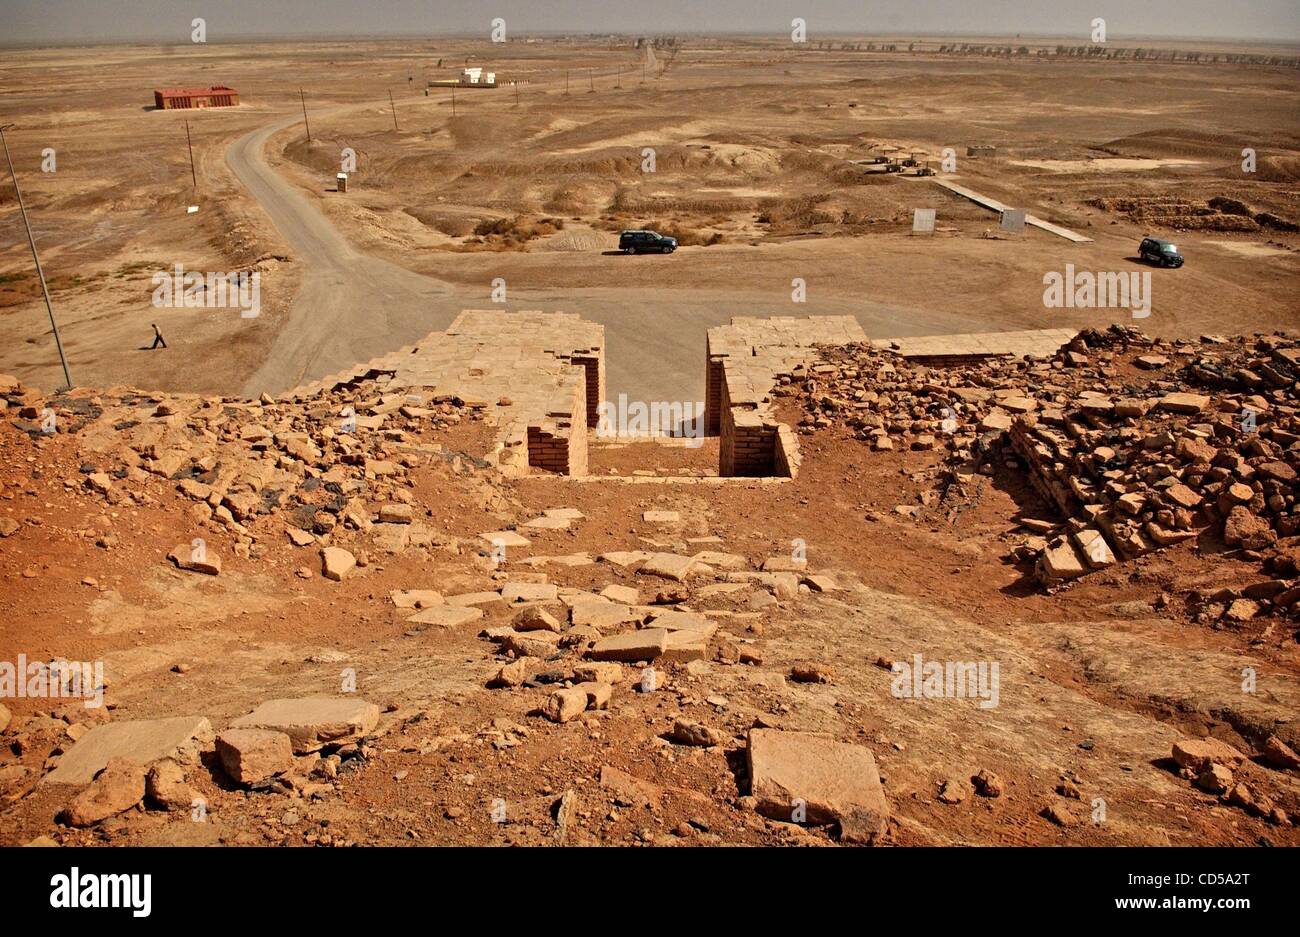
581, 239
1178, 214
1278, 169
1171, 142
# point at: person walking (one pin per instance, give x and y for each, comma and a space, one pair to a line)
157, 338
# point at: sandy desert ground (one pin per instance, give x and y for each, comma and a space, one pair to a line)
761, 170
757, 168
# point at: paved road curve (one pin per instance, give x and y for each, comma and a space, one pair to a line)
351, 306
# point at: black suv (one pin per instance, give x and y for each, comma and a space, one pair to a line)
640, 242
1160, 252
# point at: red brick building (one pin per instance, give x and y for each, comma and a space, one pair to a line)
169, 99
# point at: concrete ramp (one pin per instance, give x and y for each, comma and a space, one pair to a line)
997, 206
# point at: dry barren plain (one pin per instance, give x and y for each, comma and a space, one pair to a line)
651, 652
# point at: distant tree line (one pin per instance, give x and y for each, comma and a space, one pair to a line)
1088, 51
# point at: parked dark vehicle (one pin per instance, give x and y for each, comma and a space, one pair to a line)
646, 242
1160, 252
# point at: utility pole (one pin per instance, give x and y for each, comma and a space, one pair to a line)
45, 290
193, 176
306, 123
394, 107
453, 100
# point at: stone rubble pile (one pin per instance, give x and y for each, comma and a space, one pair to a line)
1210, 447
1137, 444
292, 747
330, 468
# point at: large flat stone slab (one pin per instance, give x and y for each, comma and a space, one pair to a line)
446, 616
682, 621
140, 742
670, 566
833, 781
646, 644
311, 723
602, 615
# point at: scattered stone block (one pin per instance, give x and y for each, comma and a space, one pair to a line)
529, 592
139, 742
395, 514
1199, 754
505, 538
336, 563
647, 644
312, 723
116, 788
564, 705
1183, 403
203, 560
535, 618
625, 595
252, 755
446, 616
669, 566
598, 673
165, 785
416, 598
688, 732
833, 781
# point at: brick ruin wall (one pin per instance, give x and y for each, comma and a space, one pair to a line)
538, 376
558, 443
744, 362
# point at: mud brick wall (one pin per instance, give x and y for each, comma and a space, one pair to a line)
751, 443
558, 443
712, 389
785, 455
744, 362
524, 371
594, 365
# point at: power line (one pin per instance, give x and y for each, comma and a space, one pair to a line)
45, 290
306, 123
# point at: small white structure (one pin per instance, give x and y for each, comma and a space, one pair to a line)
476, 76
1013, 221
923, 220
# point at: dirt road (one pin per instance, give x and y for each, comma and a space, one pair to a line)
351, 306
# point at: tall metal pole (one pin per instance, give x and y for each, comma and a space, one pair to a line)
306, 123
45, 290
394, 107
193, 177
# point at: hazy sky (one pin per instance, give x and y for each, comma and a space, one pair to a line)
24, 21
